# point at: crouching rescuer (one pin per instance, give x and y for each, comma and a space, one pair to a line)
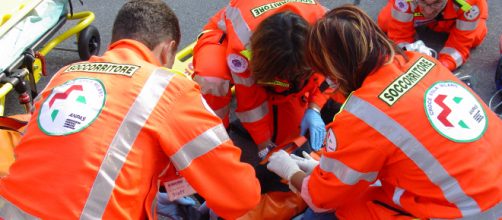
105, 130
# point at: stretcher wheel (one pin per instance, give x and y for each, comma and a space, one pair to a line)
89, 42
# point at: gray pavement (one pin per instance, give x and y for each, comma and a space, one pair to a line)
193, 14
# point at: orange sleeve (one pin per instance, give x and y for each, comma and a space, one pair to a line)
252, 102
349, 164
209, 160
400, 26
317, 96
469, 31
211, 72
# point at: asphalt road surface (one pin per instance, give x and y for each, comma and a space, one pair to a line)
193, 14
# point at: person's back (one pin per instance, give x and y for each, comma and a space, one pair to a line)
226, 39
104, 131
430, 140
443, 163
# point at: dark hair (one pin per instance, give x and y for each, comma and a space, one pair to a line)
347, 45
278, 47
147, 21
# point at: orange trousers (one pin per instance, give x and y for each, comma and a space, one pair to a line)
373, 204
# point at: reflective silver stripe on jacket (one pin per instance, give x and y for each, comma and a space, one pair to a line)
212, 85
221, 23
238, 80
10, 211
492, 213
396, 198
222, 112
413, 5
401, 16
344, 173
457, 57
253, 115
199, 146
410, 146
466, 25
122, 143
240, 26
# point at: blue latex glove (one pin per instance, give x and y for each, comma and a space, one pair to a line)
313, 122
171, 209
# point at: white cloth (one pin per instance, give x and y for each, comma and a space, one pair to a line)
419, 46
28, 30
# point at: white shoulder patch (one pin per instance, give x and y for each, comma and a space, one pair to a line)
237, 63
473, 13
402, 5
331, 141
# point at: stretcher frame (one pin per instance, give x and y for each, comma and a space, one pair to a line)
18, 73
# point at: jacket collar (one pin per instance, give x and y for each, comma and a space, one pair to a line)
138, 48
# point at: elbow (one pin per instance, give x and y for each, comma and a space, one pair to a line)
245, 200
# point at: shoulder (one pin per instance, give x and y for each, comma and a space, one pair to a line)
467, 7
179, 81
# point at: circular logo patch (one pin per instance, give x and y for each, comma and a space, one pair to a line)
331, 141
72, 106
402, 5
473, 13
454, 112
237, 63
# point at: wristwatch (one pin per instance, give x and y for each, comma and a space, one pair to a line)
263, 153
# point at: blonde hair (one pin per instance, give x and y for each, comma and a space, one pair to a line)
347, 45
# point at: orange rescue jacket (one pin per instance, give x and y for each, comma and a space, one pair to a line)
466, 26
433, 144
104, 130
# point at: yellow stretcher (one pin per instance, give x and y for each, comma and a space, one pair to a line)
26, 69
183, 62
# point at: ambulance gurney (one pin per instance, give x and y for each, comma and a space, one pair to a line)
27, 28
